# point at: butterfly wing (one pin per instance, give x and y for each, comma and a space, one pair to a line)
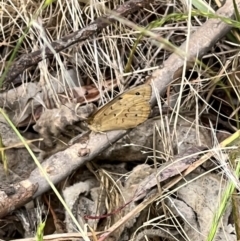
126, 111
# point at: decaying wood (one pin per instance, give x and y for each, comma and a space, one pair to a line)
15, 196
180, 163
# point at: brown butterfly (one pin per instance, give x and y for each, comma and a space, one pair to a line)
125, 111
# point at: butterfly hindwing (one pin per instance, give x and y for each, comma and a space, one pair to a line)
125, 111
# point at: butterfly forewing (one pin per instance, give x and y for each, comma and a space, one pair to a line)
125, 111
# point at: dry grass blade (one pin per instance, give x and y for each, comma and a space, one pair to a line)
64, 59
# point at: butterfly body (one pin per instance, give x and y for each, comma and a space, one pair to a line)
125, 111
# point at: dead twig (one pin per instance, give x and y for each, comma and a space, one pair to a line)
79, 36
